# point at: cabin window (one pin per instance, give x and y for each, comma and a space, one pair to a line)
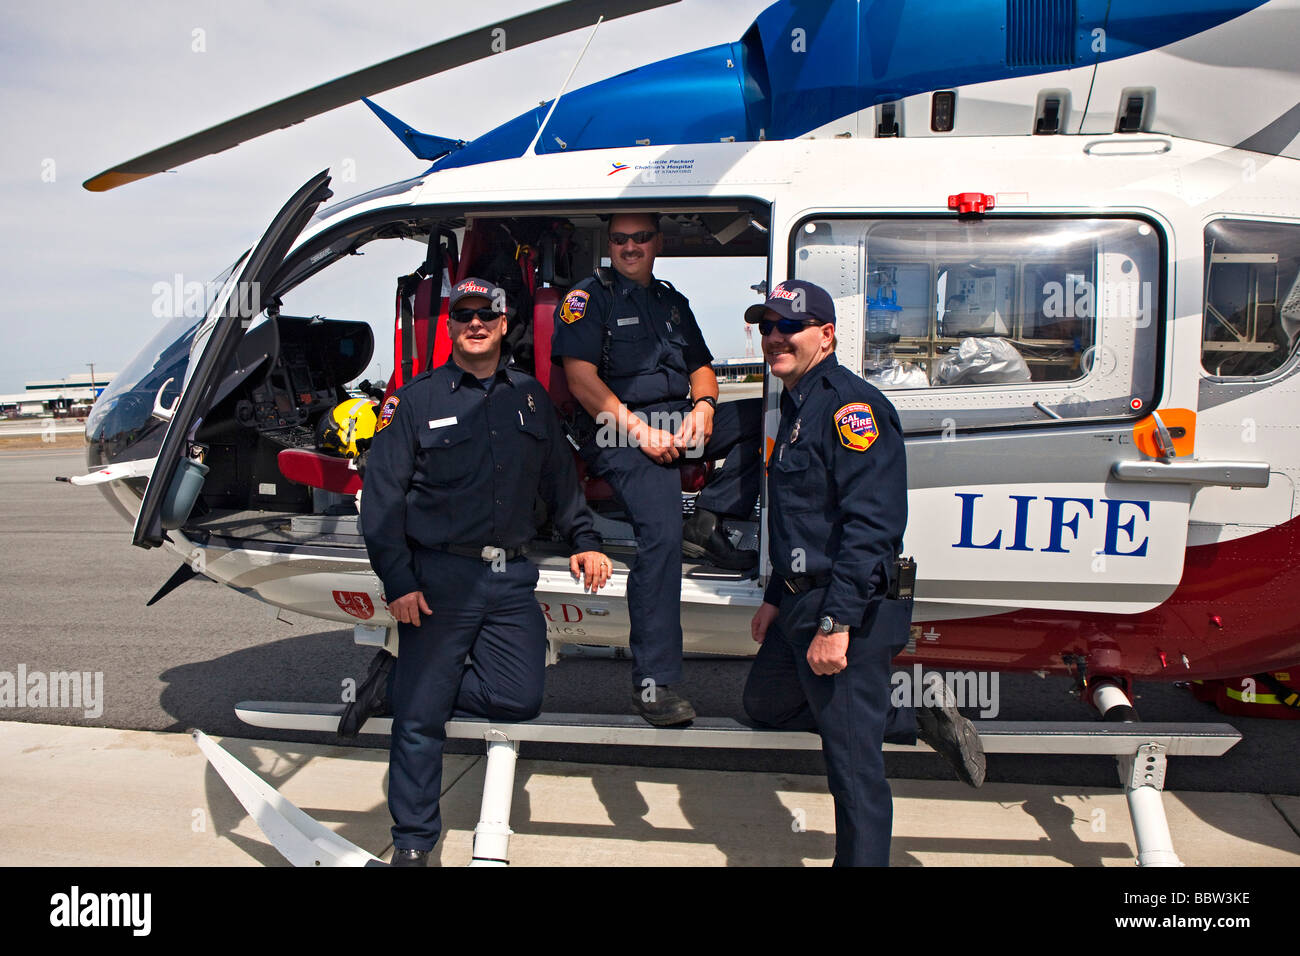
994, 322
1252, 296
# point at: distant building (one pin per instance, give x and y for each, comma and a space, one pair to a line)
66, 396
737, 369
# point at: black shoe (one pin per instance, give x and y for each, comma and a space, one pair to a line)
952, 735
371, 699
703, 537
665, 709
410, 858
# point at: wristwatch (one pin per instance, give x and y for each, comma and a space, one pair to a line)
713, 402
828, 625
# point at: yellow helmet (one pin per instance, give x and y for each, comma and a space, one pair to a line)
347, 428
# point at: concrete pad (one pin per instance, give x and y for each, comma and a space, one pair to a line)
87, 796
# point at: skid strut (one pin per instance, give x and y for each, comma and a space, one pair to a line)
1142, 775
492, 835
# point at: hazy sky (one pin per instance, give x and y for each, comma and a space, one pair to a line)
89, 85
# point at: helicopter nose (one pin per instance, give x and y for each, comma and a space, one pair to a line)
121, 426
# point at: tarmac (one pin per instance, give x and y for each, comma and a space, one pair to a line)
132, 798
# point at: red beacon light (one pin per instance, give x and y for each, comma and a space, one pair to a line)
966, 203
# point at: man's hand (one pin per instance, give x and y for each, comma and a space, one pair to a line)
696, 429
763, 619
658, 445
594, 568
828, 653
408, 608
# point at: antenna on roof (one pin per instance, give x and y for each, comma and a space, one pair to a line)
564, 86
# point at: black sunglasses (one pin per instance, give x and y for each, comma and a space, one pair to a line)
785, 326
486, 316
621, 238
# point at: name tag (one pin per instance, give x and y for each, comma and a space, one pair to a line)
630, 320
442, 422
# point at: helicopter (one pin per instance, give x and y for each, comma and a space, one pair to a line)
1064, 237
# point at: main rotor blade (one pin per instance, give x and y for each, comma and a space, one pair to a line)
427, 61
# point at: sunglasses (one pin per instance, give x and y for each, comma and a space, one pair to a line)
622, 238
486, 316
785, 326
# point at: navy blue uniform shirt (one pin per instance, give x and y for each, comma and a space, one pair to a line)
837, 490
654, 342
456, 463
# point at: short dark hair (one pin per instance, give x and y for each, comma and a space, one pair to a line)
654, 217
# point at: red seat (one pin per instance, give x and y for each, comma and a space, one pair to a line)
423, 316
319, 471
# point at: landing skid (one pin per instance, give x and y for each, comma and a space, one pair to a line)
1141, 751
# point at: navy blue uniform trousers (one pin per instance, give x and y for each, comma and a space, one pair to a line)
651, 494
851, 710
493, 618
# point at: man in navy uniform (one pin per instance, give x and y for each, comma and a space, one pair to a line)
828, 625
630, 344
459, 457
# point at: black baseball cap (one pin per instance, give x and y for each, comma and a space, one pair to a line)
796, 299
470, 287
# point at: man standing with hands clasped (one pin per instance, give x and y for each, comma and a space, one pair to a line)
832, 618
459, 457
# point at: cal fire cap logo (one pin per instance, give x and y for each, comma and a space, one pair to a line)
386, 413
480, 288
856, 426
574, 306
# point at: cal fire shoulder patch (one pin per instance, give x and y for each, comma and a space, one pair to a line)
855, 423
386, 413
574, 306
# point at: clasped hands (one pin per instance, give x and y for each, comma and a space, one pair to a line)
666, 447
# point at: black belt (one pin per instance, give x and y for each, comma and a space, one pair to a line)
486, 553
638, 406
805, 582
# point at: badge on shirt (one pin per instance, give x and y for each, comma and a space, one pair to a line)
386, 413
532, 406
574, 306
856, 425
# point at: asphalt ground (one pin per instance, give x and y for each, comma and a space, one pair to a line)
74, 593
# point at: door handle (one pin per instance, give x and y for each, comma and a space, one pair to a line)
1189, 471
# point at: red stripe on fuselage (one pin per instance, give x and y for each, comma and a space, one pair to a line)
1236, 611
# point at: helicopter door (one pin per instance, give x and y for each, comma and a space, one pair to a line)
179, 470
1020, 354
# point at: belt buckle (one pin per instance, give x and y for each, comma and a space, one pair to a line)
790, 585
491, 553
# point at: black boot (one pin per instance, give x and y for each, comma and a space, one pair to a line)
410, 858
663, 708
371, 699
951, 734
703, 538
